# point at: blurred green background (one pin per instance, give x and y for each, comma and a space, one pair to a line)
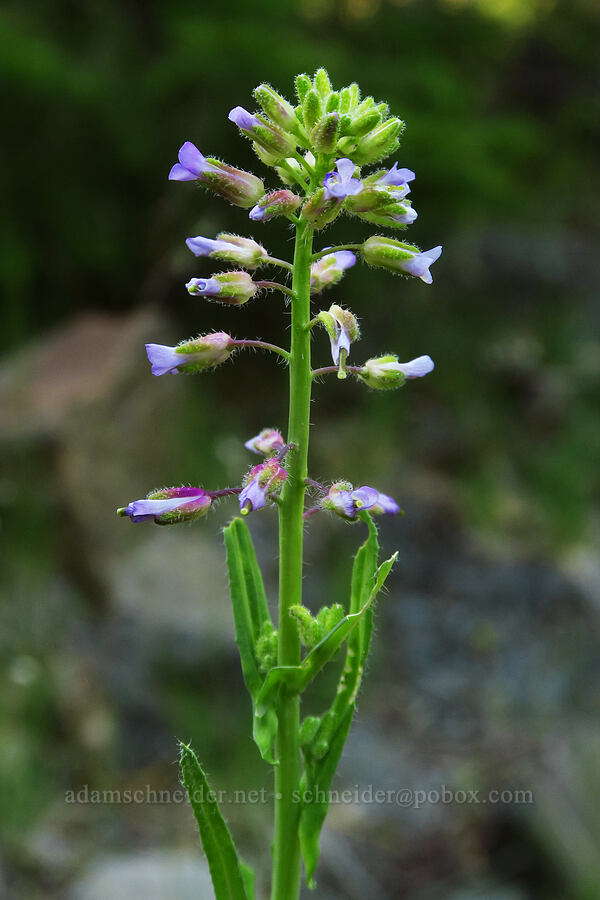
115, 639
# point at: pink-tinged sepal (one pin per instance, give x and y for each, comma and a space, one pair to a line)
269, 441
277, 203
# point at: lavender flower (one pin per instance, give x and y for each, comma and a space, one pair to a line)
341, 184
330, 269
394, 177
204, 352
262, 481
398, 257
347, 502
268, 441
243, 251
191, 166
168, 506
385, 372
235, 185
228, 287
244, 120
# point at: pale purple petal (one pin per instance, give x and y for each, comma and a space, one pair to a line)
243, 119
346, 168
416, 368
254, 493
341, 342
345, 503
396, 177
257, 213
164, 359
365, 497
201, 246
207, 287
344, 259
387, 505
419, 264
180, 173
191, 159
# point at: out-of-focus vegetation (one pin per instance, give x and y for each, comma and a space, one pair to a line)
502, 104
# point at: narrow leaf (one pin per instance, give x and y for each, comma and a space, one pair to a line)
217, 842
317, 786
250, 610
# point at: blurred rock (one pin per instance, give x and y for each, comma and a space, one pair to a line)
153, 875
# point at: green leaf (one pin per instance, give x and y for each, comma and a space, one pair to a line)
248, 876
317, 783
250, 612
223, 862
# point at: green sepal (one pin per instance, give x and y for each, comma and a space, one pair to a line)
324, 135
251, 617
229, 880
317, 780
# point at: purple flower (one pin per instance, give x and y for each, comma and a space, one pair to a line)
330, 269
268, 441
243, 119
261, 482
405, 218
191, 165
385, 372
204, 352
169, 506
347, 502
203, 287
243, 251
394, 177
399, 257
341, 184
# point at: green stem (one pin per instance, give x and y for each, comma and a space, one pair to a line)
286, 850
330, 250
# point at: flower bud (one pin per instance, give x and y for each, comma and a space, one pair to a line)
303, 85
362, 124
311, 109
398, 215
276, 203
276, 107
190, 357
324, 135
405, 259
385, 372
379, 142
243, 251
268, 441
168, 506
264, 133
320, 209
262, 482
322, 83
226, 287
330, 269
238, 187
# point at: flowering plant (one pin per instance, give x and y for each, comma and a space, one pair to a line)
317, 149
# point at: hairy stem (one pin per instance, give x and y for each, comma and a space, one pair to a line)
330, 250
262, 345
286, 850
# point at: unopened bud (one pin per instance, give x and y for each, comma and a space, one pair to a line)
277, 203
266, 134
320, 209
330, 269
324, 135
276, 107
378, 143
263, 481
269, 441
